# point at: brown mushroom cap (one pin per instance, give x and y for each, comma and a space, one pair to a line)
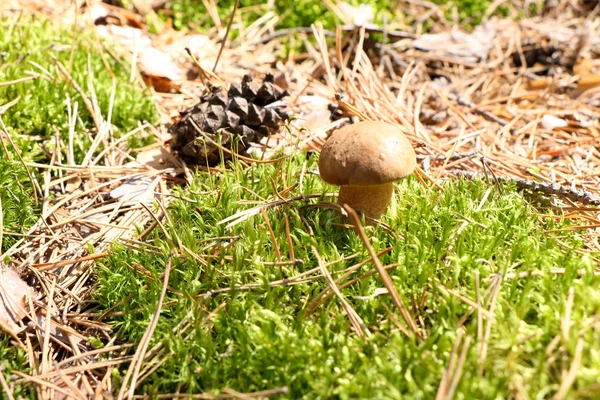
366, 153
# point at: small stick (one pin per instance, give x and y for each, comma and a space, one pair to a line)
6, 389
459, 368
56, 264
228, 394
235, 7
442, 389
486, 167
479, 307
420, 179
65, 378
93, 353
569, 378
20, 80
350, 109
204, 74
550, 189
347, 28
419, 171
289, 239
387, 281
84, 97
270, 228
317, 299
566, 319
557, 271
45, 384
134, 368
355, 319
350, 283
486, 114
468, 301
488, 327
394, 319
298, 261
46, 357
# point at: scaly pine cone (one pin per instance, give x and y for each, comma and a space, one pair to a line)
243, 114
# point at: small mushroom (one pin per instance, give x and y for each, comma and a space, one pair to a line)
365, 159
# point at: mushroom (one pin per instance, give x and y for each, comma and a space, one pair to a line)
365, 159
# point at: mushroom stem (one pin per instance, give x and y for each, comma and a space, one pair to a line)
370, 200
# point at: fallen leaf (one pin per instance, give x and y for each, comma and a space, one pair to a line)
583, 66
154, 62
314, 101
316, 121
135, 189
14, 293
73, 184
470, 47
131, 38
102, 13
60, 381
200, 45
157, 158
539, 84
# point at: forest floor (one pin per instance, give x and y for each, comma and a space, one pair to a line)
128, 272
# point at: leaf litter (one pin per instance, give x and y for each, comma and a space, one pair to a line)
513, 100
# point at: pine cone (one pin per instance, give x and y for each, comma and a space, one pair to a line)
243, 114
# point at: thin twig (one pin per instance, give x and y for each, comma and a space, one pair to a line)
355, 319
207, 396
569, 378
387, 281
443, 387
549, 189
134, 368
5, 388
459, 367
235, 7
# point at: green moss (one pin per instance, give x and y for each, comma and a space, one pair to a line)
12, 358
472, 12
27, 49
263, 337
192, 13
16, 200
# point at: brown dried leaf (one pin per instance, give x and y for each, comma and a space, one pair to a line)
316, 121
469, 47
157, 158
131, 38
13, 299
73, 184
156, 63
200, 45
